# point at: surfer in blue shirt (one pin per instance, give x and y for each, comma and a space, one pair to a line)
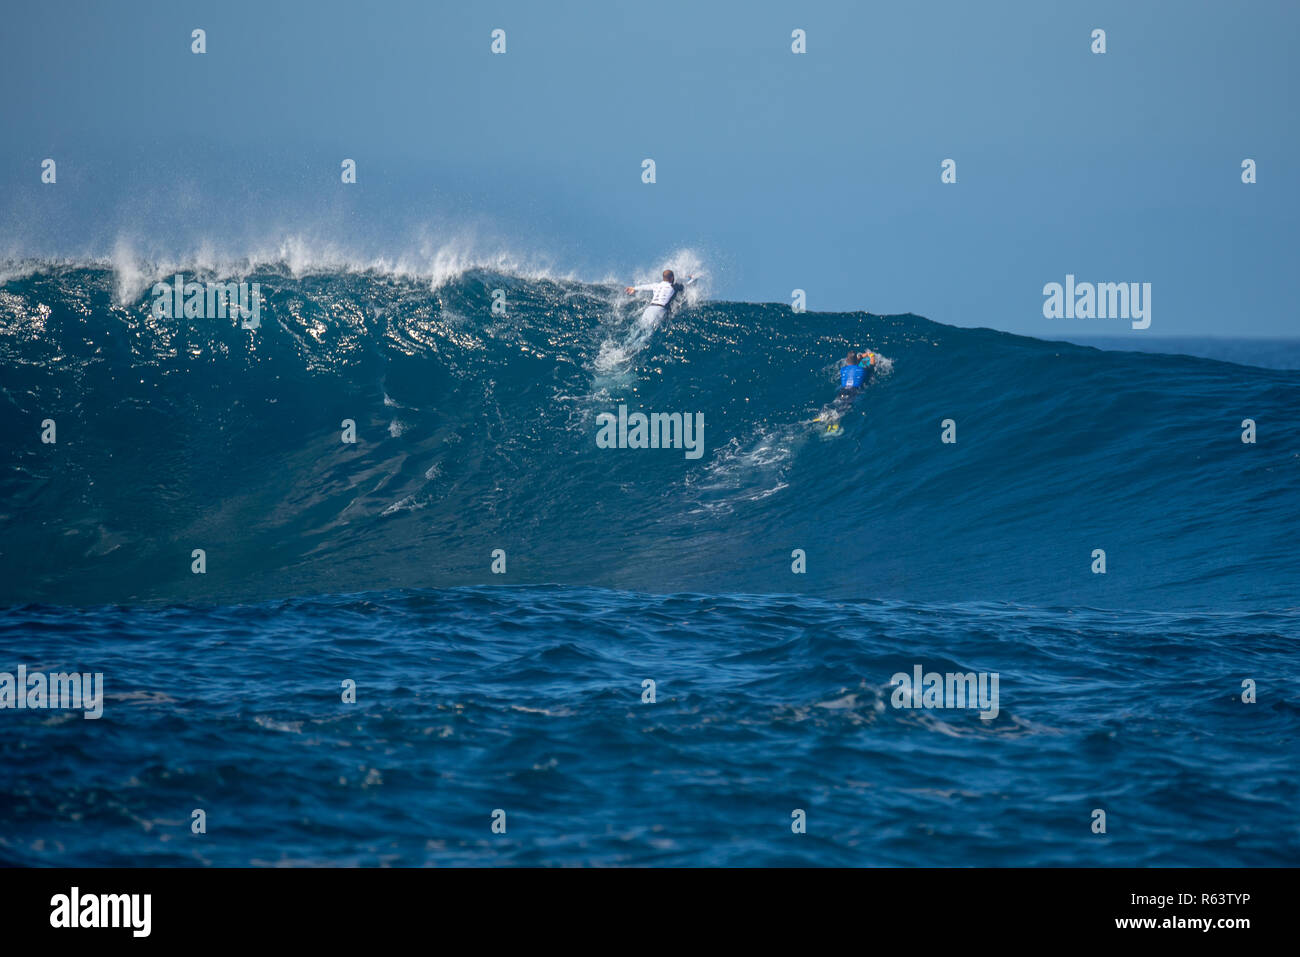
854, 375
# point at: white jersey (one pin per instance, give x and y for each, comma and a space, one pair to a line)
663, 293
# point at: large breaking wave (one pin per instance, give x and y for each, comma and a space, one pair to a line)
476, 432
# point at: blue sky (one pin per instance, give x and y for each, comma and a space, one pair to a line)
818, 171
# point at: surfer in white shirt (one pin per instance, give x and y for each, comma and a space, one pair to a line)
662, 295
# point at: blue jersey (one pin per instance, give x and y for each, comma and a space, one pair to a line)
852, 376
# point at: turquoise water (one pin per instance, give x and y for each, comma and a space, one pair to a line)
523, 691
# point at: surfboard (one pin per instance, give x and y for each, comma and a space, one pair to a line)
829, 418
831, 414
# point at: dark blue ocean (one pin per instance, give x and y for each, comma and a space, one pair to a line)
771, 590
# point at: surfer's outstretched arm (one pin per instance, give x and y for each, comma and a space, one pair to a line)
650, 286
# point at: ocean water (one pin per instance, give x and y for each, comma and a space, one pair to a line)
1269, 353
525, 692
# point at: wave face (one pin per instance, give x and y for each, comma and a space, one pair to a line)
477, 431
